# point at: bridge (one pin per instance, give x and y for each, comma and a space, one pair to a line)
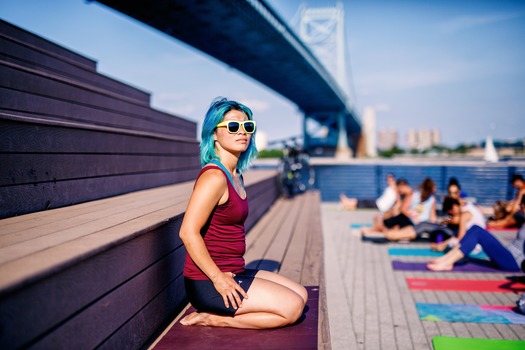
251, 37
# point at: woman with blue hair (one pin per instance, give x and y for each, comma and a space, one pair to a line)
220, 287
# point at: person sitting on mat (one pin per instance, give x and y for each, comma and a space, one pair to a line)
500, 210
514, 217
220, 287
384, 203
466, 214
462, 215
416, 207
508, 258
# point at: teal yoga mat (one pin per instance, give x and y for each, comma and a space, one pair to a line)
356, 226
469, 313
451, 343
425, 252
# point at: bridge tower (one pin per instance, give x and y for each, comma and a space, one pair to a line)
322, 29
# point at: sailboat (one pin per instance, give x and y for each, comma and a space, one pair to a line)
491, 155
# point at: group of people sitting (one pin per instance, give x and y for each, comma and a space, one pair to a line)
408, 214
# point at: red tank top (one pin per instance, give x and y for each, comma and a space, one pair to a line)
223, 234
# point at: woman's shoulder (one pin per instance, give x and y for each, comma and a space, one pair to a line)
212, 174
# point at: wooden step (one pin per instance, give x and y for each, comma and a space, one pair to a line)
26, 49
55, 97
50, 164
106, 273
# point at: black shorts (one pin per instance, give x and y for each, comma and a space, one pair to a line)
400, 220
204, 297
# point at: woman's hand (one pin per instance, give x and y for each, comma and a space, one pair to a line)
230, 290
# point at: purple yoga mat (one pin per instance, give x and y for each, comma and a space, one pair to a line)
302, 335
462, 267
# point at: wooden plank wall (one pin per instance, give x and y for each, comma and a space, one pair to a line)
68, 134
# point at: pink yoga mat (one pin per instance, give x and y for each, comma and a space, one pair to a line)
506, 229
302, 335
502, 286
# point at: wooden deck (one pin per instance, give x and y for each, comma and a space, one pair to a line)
370, 305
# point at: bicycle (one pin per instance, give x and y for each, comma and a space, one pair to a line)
296, 175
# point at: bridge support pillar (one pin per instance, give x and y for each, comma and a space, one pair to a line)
343, 151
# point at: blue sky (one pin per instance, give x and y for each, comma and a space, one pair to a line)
458, 66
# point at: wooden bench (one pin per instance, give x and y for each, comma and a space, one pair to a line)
287, 240
106, 273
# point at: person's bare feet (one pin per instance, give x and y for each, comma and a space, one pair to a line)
348, 203
365, 230
441, 266
196, 319
439, 246
439, 260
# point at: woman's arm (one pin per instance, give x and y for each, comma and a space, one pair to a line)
211, 189
405, 205
507, 221
516, 205
462, 230
433, 215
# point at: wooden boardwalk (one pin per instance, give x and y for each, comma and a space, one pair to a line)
370, 305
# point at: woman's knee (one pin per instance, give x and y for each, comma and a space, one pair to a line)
302, 292
294, 309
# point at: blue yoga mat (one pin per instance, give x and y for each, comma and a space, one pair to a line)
425, 252
359, 225
469, 313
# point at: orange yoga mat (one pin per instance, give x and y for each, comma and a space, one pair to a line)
459, 285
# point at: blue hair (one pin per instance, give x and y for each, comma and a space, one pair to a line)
215, 115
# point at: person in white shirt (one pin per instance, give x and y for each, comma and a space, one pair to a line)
384, 203
416, 207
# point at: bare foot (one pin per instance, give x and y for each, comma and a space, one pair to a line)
439, 260
348, 203
196, 319
439, 246
440, 266
366, 230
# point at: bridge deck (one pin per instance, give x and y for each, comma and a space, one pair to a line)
370, 305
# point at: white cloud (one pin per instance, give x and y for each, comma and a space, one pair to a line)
382, 107
257, 106
174, 103
466, 22
170, 96
405, 79
410, 76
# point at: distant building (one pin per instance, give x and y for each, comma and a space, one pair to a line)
436, 137
412, 139
423, 139
387, 139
